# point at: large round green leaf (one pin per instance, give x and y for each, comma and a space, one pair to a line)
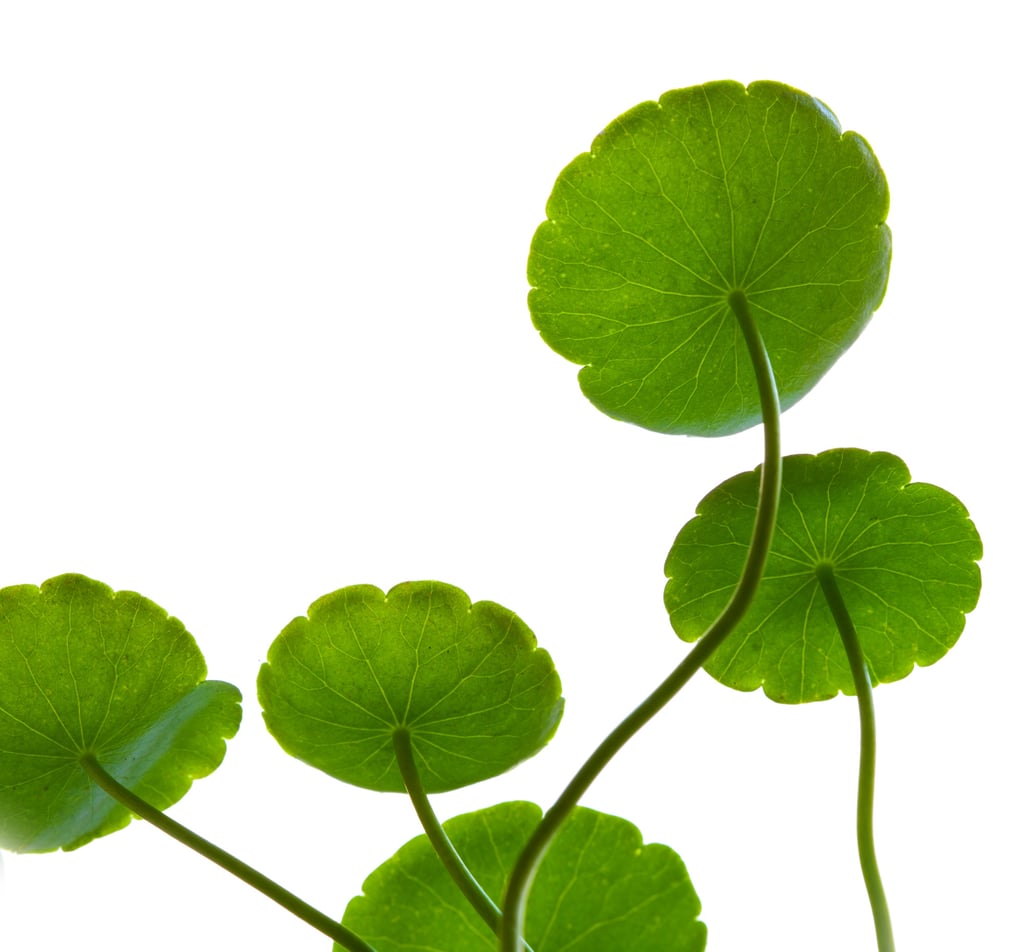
903, 554
680, 202
86, 670
599, 889
467, 681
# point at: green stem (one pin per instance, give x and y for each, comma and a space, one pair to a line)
291, 902
485, 907
760, 545
866, 780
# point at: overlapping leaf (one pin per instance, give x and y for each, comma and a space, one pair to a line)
904, 556
680, 202
599, 889
86, 670
467, 681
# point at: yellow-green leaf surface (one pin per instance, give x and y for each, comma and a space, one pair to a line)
598, 889
681, 202
87, 670
467, 681
904, 556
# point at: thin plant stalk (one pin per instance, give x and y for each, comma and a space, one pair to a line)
514, 908
866, 780
314, 917
457, 869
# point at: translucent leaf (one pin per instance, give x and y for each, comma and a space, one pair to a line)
680, 202
86, 670
599, 889
467, 681
904, 556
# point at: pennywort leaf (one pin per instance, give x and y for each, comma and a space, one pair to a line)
466, 681
87, 671
712, 190
599, 889
902, 554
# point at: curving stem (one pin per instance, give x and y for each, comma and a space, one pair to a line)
514, 911
485, 907
298, 907
866, 781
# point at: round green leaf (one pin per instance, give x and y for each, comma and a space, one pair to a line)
467, 681
903, 554
599, 889
680, 202
86, 670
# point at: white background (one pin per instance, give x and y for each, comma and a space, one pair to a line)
264, 334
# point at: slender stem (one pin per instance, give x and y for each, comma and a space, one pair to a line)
866, 780
485, 907
318, 920
720, 628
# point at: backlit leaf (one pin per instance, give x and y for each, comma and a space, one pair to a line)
598, 889
468, 682
680, 202
86, 670
904, 556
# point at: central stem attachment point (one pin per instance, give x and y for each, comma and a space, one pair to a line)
738, 302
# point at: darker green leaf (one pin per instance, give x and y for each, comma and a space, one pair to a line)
468, 682
599, 889
86, 670
904, 556
680, 202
